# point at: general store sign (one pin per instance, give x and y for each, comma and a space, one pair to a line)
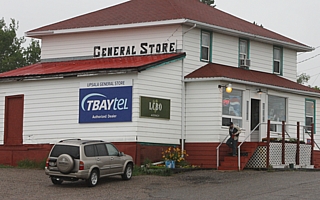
142, 49
105, 101
154, 107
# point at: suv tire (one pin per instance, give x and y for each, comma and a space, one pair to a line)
56, 181
93, 178
127, 172
65, 163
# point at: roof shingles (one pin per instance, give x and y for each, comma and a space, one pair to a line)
213, 70
139, 11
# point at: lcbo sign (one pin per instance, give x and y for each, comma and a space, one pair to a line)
105, 101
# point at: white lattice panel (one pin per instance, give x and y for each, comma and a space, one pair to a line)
305, 154
258, 159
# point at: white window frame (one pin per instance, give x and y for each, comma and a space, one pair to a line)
243, 55
277, 60
205, 45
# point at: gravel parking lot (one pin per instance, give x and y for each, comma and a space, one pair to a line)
207, 184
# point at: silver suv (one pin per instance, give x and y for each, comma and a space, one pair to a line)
74, 159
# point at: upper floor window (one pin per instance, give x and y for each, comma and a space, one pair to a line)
244, 53
277, 60
205, 46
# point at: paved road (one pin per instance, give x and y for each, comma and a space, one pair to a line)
208, 184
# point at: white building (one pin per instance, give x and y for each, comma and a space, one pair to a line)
146, 74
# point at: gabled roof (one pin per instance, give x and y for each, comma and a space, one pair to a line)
212, 70
141, 11
104, 65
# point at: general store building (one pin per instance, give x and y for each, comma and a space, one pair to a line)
147, 74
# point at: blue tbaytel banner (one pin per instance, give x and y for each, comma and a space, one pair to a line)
105, 102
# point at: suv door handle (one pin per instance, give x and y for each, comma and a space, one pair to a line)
98, 159
111, 158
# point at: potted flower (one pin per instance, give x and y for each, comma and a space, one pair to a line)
173, 156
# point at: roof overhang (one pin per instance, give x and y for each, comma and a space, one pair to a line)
301, 48
283, 89
38, 34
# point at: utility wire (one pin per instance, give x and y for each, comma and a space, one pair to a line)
308, 58
308, 69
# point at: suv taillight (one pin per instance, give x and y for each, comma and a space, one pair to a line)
47, 162
81, 165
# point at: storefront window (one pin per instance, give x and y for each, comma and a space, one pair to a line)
276, 112
232, 108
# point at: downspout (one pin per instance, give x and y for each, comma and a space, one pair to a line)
183, 95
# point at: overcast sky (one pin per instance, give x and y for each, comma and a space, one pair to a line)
298, 20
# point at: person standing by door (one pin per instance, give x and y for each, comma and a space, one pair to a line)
232, 142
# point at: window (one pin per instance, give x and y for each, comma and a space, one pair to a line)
205, 46
232, 108
276, 112
90, 151
112, 150
243, 52
102, 151
310, 113
73, 151
277, 60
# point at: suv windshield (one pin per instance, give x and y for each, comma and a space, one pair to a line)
73, 151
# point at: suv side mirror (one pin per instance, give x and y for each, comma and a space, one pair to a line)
121, 154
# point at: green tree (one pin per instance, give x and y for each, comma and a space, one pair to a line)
208, 2
12, 54
303, 78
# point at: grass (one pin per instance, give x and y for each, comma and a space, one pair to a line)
5, 166
160, 171
31, 164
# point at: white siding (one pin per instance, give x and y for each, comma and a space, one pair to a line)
203, 112
191, 45
161, 82
261, 56
290, 64
225, 50
81, 44
51, 112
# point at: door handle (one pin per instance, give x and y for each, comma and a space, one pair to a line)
111, 158
98, 159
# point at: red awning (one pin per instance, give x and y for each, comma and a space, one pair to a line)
130, 63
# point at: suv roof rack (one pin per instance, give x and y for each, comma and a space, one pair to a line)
69, 140
89, 141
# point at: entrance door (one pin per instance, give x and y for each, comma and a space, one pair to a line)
13, 122
255, 119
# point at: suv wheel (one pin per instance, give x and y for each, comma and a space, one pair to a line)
127, 172
93, 178
56, 181
65, 163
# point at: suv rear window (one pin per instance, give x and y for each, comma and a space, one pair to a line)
73, 151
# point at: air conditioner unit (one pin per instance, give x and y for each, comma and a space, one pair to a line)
244, 63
